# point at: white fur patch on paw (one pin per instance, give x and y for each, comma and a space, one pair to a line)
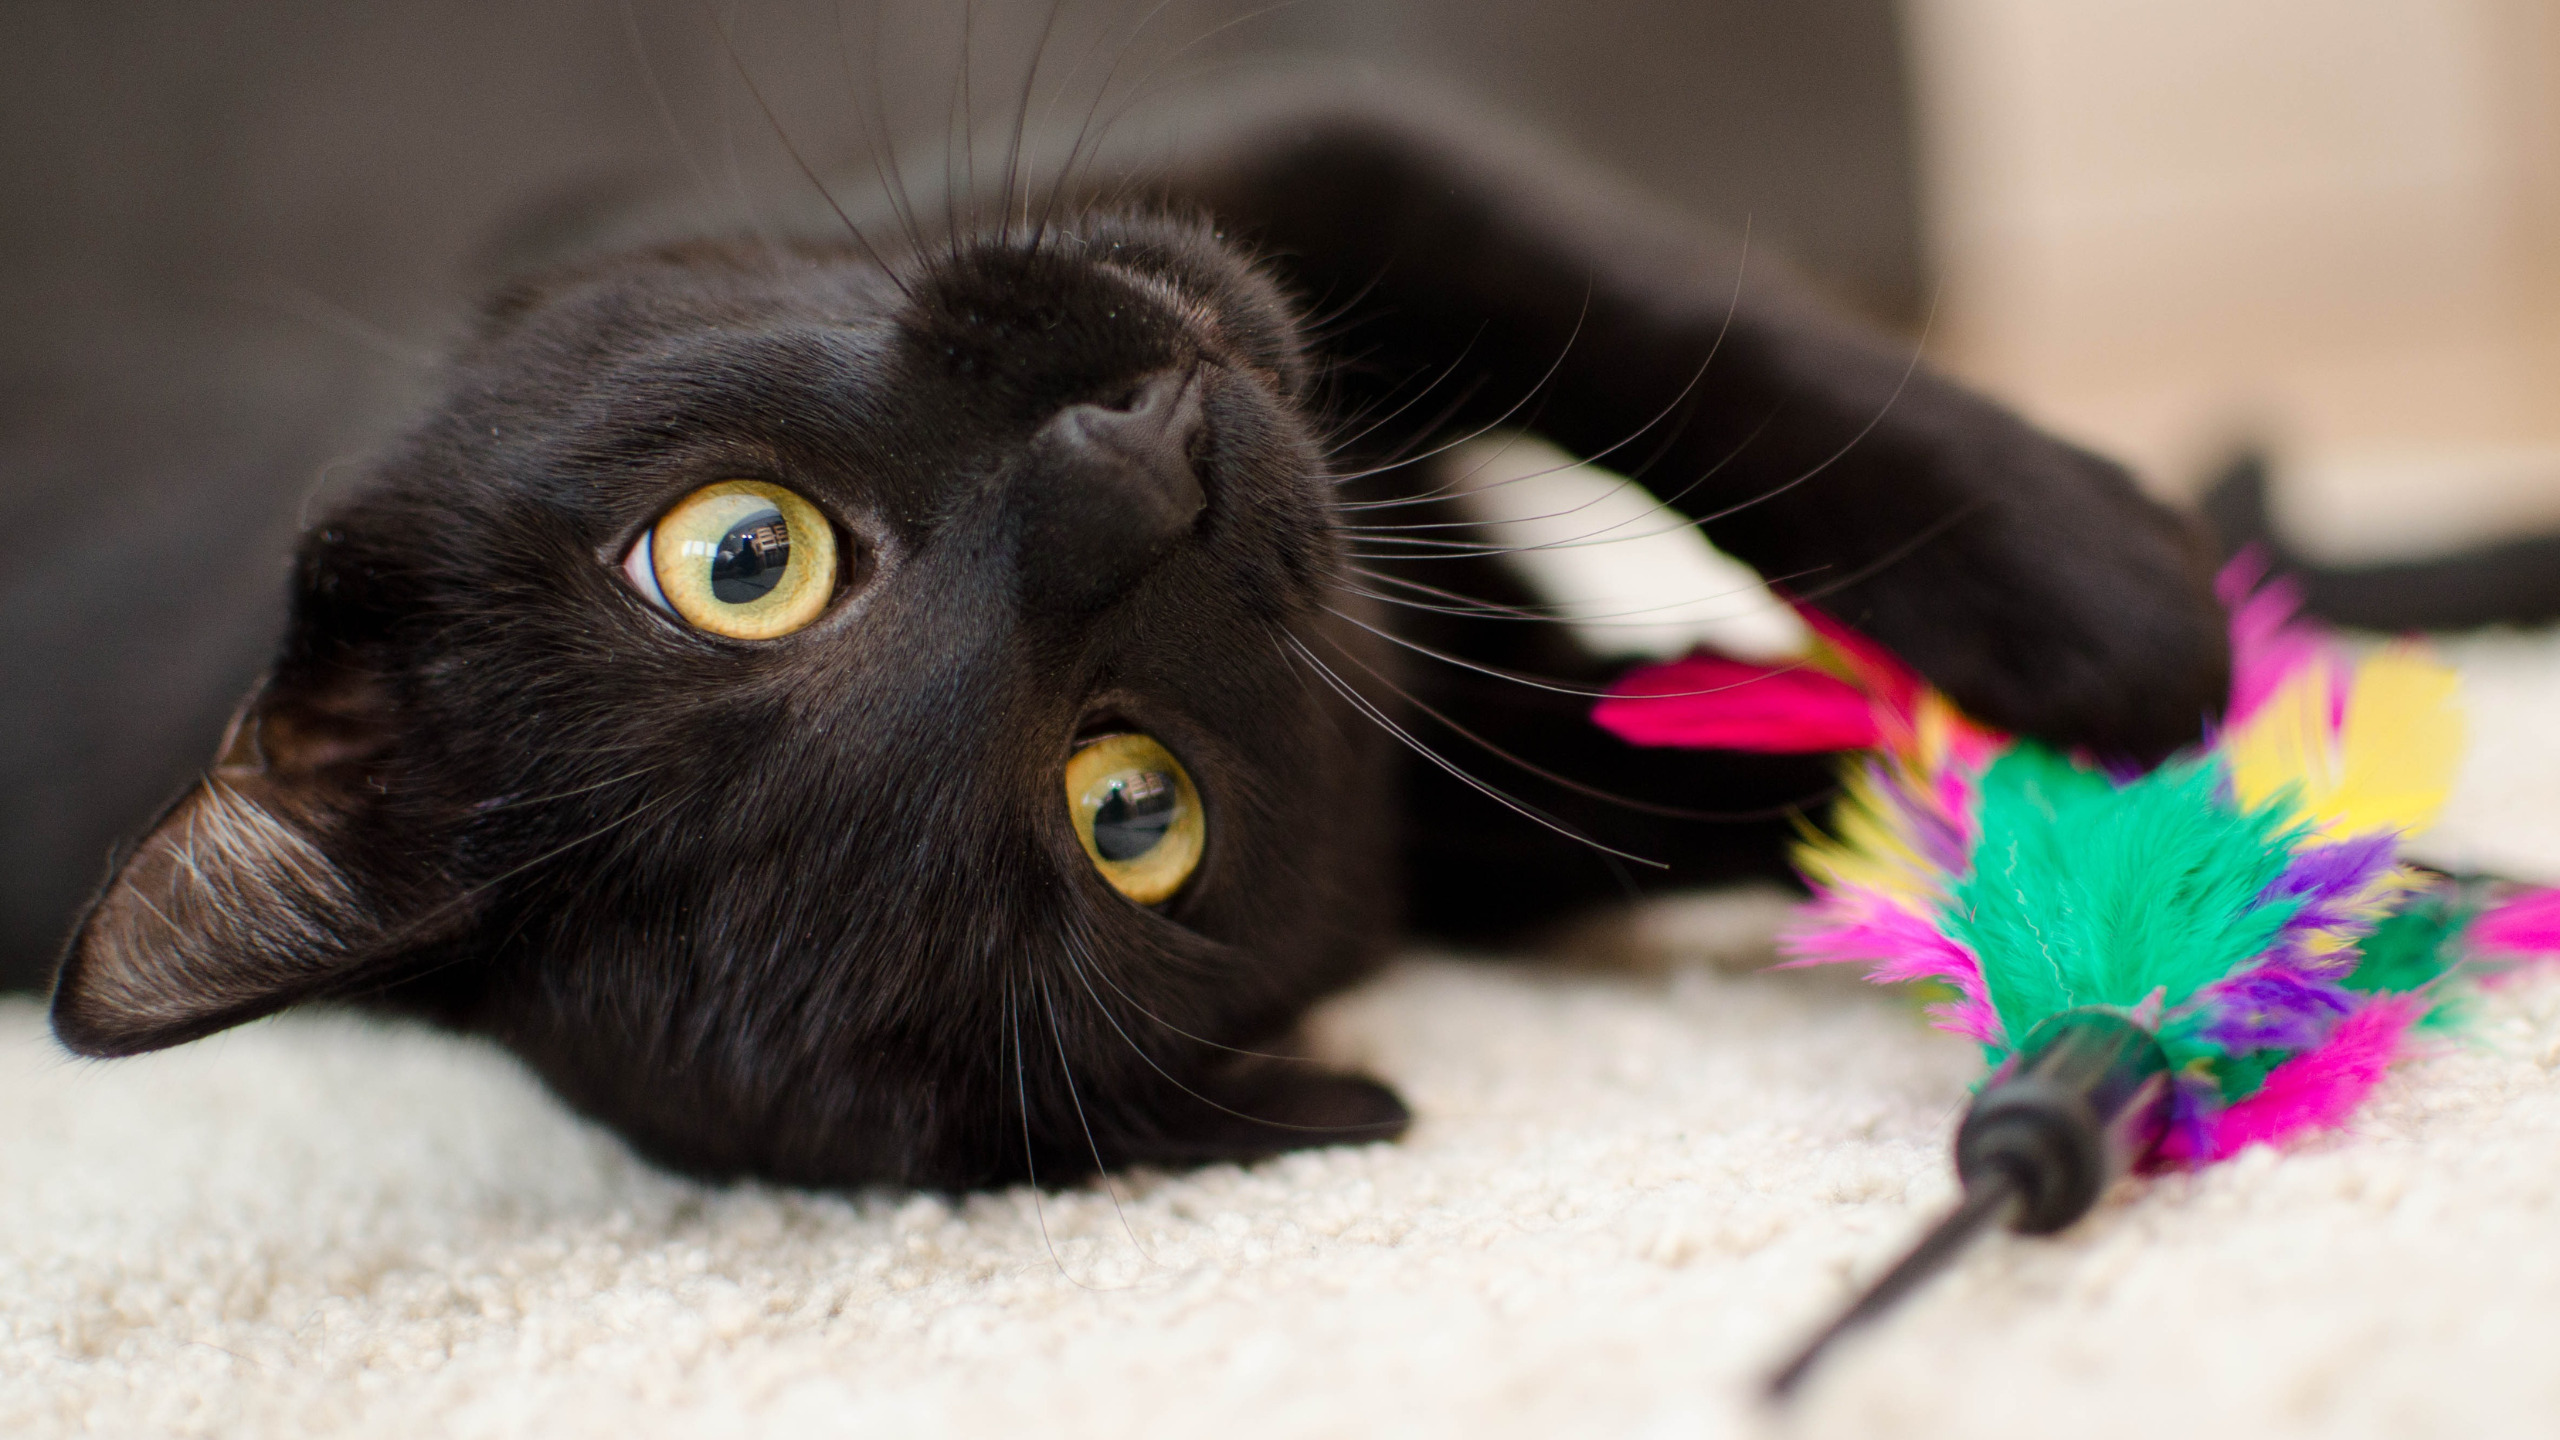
1628, 576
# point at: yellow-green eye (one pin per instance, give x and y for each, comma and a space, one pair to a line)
742, 558
1135, 811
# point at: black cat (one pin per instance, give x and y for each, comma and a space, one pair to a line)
922, 714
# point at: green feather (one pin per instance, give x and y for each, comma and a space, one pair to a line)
2087, 892
2410, 949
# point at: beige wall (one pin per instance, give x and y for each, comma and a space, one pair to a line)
2172, 225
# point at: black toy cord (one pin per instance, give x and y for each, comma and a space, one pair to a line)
2084, 1098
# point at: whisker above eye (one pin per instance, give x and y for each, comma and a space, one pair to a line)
738, 62
878, 143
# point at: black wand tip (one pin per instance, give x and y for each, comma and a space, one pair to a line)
2085, 1097
1983, 1206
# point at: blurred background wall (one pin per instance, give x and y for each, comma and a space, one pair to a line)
161, 157
2331, 227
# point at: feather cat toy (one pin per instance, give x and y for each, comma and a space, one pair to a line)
2162, 968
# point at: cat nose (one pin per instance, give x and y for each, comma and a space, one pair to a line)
1109, 490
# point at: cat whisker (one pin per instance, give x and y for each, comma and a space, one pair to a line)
1066, 176
1521, 807
1919, 347
515, 802
1674, 812
1456, 486
304, 303
1135, 1004
878, 143
1050, 1004
1534, 682
1447, 413
1147, 86
1030, 1164
1345, 442
1013, 153
1545, 613
1327, 323
554, 853
1897, 554
1423, 547
738, 62
667, 116
1554, 367
1664, 506
1456, 490
430, 916
1080, 967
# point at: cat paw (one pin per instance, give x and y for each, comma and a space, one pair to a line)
2088, 621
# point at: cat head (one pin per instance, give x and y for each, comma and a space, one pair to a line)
836, 722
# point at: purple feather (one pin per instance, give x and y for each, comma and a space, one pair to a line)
2331, 882
2273, 1007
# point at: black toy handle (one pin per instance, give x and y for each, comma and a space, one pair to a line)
2075, 1108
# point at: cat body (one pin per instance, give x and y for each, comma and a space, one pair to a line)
1129, 455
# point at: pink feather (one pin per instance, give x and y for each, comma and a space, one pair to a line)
2268, 642
2526, 926
2312, 1091
1708, 702
1897, 944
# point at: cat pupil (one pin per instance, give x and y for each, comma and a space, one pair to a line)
751, 558
1135, 817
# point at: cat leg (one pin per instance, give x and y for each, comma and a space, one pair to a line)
2028, 578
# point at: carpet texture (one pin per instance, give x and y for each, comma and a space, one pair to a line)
1641, 1169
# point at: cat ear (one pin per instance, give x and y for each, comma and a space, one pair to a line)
245, 897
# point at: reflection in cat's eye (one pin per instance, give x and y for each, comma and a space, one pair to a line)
1136, 815
743, 558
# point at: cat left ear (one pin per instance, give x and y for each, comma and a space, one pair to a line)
246, 895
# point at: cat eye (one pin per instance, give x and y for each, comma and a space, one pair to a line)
743, 558
1137, 815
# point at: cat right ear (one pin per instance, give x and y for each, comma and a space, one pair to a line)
246, 895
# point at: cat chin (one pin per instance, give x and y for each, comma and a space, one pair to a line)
1245, 1109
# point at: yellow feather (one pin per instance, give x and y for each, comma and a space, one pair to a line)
1865, 850
2388, 767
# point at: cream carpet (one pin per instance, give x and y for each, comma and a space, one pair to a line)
1637, 1176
